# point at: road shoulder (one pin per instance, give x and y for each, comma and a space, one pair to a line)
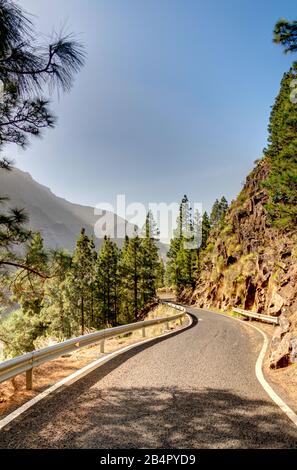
283, 382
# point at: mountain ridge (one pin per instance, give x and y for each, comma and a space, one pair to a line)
57, 219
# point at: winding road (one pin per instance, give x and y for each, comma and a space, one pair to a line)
194, 389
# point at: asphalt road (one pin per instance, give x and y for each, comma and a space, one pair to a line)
196, 389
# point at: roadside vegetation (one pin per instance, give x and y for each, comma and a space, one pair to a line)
281, 151
189, 244
80, 292
13, 392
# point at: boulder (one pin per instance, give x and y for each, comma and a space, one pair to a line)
284, 324
280, 357
293, 354
276, 339
276, 303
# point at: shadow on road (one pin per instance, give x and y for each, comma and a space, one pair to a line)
89, 415
151, 418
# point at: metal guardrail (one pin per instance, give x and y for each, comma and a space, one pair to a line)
258, 316
25, 363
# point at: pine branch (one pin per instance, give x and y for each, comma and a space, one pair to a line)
22, 266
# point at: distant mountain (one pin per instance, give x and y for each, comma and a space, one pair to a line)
58, 220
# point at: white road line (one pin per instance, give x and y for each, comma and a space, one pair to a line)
259, 371
70, 379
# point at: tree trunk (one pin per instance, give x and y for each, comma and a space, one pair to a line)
92, 309
82, 317
108, 301
135, 293
62, 318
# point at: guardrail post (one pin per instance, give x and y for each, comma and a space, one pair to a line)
26, 363
29, 379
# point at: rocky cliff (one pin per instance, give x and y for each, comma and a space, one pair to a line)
249, 264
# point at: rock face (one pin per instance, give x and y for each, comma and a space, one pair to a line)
251, 265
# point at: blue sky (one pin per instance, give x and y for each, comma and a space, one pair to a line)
174, 98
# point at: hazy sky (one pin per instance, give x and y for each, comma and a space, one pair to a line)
174, 98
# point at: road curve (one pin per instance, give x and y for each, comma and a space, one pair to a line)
195, 389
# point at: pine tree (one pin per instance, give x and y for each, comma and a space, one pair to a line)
173, 275
150, 228
218, 211
161, 274
285, 33
27, 324
79, 284
108, 280
184, 222
53, 308
281, 152
206, 227
26, 67
150, 260
223, 208
131, 267
214, 214
28, 289
197, 226
180, 270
